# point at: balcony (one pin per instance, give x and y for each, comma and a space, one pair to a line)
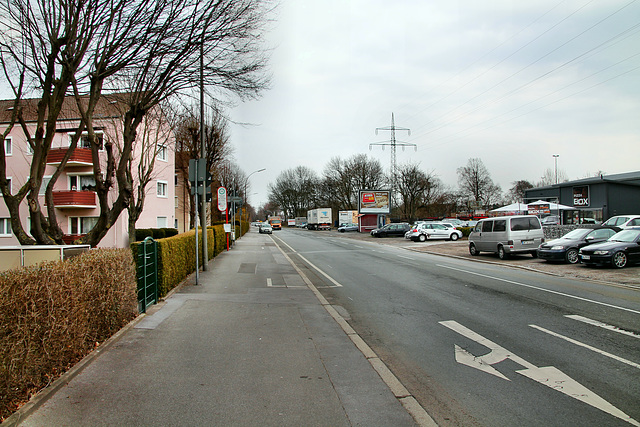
74, 199
70, 238
79, 157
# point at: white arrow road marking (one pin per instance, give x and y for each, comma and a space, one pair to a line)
548, 376
557, 380
466, 358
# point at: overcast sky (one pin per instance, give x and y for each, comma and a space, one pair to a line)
509, 82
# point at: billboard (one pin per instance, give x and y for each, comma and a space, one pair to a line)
374, 202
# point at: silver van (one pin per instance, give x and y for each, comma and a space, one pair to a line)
507, 235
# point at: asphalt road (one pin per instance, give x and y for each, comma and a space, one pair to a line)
481, 344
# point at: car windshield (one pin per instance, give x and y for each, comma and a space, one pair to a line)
628, 236
578, 233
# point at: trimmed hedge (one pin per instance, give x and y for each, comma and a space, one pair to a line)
55, 313
177, 254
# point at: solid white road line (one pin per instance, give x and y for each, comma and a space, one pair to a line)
540, 289
581, 344
601, 325
331, 279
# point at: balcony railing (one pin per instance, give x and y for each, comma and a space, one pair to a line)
74, 199
79, 157
70, 238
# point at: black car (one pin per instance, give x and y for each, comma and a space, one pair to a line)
566, 247
397, 229
622, 249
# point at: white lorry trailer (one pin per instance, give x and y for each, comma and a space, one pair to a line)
319, 219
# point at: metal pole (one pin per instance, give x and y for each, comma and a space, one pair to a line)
196, 222
555, 158
203, 151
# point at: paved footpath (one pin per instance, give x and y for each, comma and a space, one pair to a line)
235, 350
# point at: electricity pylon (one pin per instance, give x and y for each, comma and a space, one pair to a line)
393, 144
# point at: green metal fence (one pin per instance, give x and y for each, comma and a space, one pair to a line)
147, 274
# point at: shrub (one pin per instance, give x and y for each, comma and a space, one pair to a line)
55, 313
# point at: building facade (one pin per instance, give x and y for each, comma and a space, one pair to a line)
74, 197
597, 198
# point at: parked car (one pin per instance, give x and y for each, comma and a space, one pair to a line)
454, 221
622, 249
265, 228
566, 247
507, 235
394, 229
348, 227
550, 220
434, 230
623, 221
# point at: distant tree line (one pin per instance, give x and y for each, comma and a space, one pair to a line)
418, 193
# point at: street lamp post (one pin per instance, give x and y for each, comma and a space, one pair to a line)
246, 181
555, 158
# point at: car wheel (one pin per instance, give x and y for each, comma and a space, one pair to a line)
454, 236
501, 253
619, 260
473, 250
572, 256
422, 237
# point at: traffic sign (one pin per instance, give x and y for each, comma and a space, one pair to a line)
222, 199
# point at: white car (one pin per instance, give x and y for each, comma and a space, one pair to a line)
434, 230
623, 221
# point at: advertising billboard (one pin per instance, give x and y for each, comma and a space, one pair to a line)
374, 202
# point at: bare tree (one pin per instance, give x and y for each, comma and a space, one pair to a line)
517, 191
295, 191
549, 177
475, 181
188, 146
413, 185
150, 51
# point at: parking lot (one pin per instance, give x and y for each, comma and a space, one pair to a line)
627, 276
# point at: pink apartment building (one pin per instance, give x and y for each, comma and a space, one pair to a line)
75, 201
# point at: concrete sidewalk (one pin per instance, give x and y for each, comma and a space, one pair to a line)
251, 345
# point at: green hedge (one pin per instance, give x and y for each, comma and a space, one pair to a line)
177, 254
55, 313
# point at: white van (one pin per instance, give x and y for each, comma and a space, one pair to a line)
507, 235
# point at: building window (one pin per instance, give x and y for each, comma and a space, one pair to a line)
161, 221
43, 185
8, 146
84, 141
176, 202
175, 223
162, 153
81, 225
8, 185
162, 188
175, 180
5, 227
82, 183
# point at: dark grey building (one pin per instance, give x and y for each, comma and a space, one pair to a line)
597, 198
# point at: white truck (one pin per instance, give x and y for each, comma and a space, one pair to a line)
319, 219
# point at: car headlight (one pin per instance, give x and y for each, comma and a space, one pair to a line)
557, 248
601, 252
